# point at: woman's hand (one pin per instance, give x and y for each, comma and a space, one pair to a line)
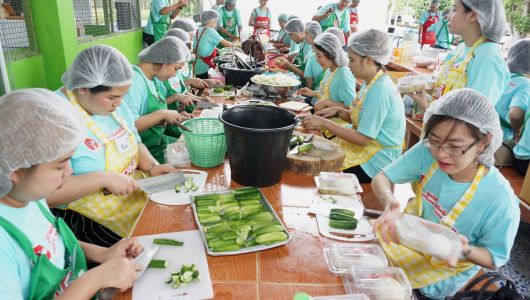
305, 91
198, 83
212, 82
119, 184
117, 273
386, 223
328, 112
282, 62
208, 99
125, 248
420, 98
313, 122
186, 100
321, 105
162, 169
172, 117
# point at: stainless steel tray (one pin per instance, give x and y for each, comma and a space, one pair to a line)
256, 248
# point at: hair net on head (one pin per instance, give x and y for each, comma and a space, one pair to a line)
519, 57
332, 45
313, 28
208, 16
179, 34
356, 1
46, 132
435, 2
291, 17
471, 107
98, 65
283, 18
230, 1
294, 26
338, 33
491, 17
168, 50
184, 24
372, 43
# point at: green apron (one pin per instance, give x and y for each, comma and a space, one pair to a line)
160, 27
300, 58
447, 42
332, 18
172, 130
229, 23
46, 278
154, 138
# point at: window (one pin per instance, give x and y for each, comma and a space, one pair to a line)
102, 17
16, 30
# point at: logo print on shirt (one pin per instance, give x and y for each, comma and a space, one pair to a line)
40, 250
91, 144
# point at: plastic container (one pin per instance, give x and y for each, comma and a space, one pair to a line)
378, 283
341, 257
206, 142
238, 77
258, 140
424, 61
412, 84
428, 237
338, 183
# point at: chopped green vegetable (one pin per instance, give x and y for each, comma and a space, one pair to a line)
341, 217
228, 87
348, 225
232, 247
305, 147
168, 242
158, 264
343, 211
218, 90
268, 229
271, 238
178, 187
186, 275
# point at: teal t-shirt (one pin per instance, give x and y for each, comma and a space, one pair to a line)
15, 264
490, 221
156, 6
175, 83
284, 37
382, 118
516, 94
487, 72
342, 88
294, 47
209, 40
305, 49
90, 154
313, 69
257, 12
425, 15
342, 16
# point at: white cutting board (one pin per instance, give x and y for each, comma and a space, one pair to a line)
173, 198
294, 105
321, 208
151, 285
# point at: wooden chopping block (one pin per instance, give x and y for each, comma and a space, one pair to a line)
327, 156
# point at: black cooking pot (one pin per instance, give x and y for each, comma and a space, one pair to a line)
238, 77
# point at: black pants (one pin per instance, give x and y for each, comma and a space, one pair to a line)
149, 39
87, 230
360, 173
419, 296
521, 166
202, 76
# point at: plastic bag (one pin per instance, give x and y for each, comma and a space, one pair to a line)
177, 155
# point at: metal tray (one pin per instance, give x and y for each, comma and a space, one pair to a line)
256, 248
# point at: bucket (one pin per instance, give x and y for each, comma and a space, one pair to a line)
206, 142
258, 140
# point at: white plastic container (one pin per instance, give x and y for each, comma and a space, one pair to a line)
428, 237
378, 283
412, 84
338, 183
341, 257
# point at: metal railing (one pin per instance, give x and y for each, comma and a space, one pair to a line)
17, 33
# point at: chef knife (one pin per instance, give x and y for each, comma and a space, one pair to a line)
161, 183
143, 259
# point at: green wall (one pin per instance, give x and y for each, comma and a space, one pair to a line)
57, 41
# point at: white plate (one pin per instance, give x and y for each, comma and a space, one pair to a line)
152, 286
173, 198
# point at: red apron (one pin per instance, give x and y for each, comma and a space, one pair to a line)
208, 60
262, 21
429, 37
354, 20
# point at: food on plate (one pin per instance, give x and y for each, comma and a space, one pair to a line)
276, 79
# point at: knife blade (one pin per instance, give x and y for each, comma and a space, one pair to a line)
143, 259
161, 183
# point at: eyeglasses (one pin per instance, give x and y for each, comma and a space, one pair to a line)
453, 151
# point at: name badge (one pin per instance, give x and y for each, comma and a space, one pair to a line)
123, 144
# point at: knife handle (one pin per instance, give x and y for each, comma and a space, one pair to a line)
372, 213
107, 294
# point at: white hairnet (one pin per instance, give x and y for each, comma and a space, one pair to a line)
356, 1
282, 17
179, 34
98, 65
230, 1
313, 28
332, 45
184, 24
491, 17
471, 107
338, 33
519, 57
294, 26
291, 17
168, 50
372, 43
208, 16
49, 130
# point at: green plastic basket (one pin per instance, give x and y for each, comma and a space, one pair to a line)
206, 142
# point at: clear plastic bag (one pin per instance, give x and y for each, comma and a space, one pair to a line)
378, 283
341, 257
177, 155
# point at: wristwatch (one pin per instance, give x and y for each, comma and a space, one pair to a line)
151, 166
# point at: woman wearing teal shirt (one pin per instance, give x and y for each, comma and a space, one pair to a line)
230, 22
477, 63
283, 40
160, 16
459, 188
334, 15
513, 105
40, 257
441, 30
206, 41
377, 116
338, 85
